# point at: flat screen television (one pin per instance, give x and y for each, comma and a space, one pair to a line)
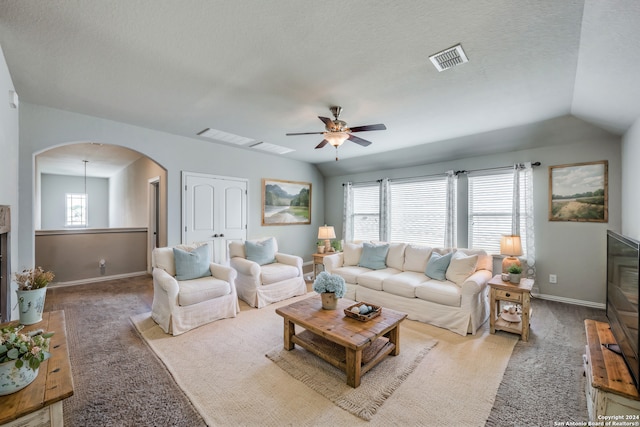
623, 255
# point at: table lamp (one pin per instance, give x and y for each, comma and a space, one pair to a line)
511, 246
327, 233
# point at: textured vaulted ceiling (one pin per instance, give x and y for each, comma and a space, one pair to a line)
260, 69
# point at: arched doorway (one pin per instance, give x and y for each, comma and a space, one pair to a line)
99, 210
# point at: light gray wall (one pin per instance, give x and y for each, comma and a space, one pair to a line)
129, 196
53, 200
576, 252
631, 182
43, 128
9, 125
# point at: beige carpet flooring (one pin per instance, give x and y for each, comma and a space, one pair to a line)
223, 370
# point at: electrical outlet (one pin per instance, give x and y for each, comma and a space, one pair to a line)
553, 278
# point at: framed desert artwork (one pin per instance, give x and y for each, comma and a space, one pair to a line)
579, 192
286, 202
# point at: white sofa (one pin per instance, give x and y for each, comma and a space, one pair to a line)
459, 303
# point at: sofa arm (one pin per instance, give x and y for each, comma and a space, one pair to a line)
166, 283
476, 282
223, 272
293, 260
246, 267
331, 262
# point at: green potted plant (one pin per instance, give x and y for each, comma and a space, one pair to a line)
20, 357
32, 290
331, 287
320, 244
515, 273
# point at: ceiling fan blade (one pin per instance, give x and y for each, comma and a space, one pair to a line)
326, 120
365, 128
360, 141
305, 133
322, 144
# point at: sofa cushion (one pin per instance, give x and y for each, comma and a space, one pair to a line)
350, 273
373, 279
374, 256
485, 261
192, 264
276, 272
445, 293
437, 265
263, 252
416, 257
352, 253
403, 284
461, 267
395, 256
202, 289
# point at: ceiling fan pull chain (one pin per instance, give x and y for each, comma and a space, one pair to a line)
336, 154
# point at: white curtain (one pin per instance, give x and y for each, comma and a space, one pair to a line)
385, 209
347, 213
449, 232
524, 201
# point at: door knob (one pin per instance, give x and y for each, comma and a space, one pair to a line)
221, 235
215, 235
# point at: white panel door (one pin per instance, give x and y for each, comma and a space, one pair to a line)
214, 211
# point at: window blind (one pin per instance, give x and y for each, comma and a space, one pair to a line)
419, 211
366, 212
490, 210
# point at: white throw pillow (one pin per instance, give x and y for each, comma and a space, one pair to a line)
461, 267
416, 257
352, 253
395, 256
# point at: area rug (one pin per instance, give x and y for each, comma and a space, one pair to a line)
376, 385
223, 370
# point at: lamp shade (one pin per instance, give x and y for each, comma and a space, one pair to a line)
336, 138
326, 232
511, 246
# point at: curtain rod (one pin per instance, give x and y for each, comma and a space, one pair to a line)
521, 165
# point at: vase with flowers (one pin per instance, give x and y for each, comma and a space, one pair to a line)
20, 357
331, 287
32, 290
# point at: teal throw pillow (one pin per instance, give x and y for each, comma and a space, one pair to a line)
437, 265
374, 256
192, 265
261, 252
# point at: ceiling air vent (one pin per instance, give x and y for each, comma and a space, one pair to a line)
271, 148
219, 135
449, 58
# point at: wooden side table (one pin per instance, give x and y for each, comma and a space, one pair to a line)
519, 294
318, 259
40, 403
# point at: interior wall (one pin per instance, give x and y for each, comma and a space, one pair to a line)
630, 180
53, 200
42, 128
9, 147
129, 196
574, 251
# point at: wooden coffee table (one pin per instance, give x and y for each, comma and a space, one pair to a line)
348, 344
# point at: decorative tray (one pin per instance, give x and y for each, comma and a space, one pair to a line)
513, 318
375, 312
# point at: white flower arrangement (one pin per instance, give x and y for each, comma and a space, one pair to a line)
326, 282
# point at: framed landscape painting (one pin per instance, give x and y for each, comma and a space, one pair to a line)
286, 202
578, 192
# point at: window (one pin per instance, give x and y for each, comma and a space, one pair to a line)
490, 210
419, 212
366, 212
76, 210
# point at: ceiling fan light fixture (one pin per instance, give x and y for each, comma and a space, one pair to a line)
336, 138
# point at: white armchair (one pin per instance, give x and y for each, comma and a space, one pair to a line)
181, 305
260, 285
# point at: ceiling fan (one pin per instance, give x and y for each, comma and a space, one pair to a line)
337, 132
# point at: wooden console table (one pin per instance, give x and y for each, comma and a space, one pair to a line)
609, 387
40, 403
519, 294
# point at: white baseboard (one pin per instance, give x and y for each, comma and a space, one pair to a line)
98, 279
591, 304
